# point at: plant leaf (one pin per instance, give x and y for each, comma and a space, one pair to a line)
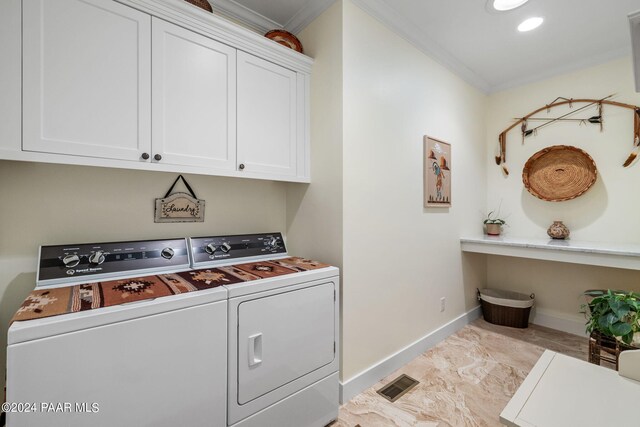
619, 308
605, 321
594, 293
621, 329
635, 305
596, 300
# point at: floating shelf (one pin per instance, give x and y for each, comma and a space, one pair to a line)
615, 255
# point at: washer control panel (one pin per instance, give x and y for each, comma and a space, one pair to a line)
95, 261
222, 248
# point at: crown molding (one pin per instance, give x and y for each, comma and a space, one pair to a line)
592, 61
307, 15
385, 13
218, 28
243, 15
234, 11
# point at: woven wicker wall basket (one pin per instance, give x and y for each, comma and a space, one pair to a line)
559, 173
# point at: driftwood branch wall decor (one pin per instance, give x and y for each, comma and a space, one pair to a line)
526, 131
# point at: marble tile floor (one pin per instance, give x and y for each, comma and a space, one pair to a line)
466, 380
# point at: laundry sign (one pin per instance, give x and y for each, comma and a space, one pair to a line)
180, 207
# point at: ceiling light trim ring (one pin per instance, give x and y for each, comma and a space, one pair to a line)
506, 5
490, 8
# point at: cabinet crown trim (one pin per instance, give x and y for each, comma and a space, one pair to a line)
195, 19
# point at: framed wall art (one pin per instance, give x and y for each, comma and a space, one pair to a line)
437, 173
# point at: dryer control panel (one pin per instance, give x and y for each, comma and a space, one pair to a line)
219, 249
75, 263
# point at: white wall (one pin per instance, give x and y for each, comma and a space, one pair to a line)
605, 213
400, 258
56, 204
314, 212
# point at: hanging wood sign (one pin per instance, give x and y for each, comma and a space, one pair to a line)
180, 207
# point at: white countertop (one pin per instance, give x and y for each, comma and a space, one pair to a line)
618, 255
562, 391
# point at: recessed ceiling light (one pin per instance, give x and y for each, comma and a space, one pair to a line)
530, 24
503, 5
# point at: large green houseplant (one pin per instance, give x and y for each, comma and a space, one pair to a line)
613, 313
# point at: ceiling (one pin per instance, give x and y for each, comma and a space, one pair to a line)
471, 39
262, 16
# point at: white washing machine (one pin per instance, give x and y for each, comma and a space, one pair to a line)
160, 362
254, 345
283, 332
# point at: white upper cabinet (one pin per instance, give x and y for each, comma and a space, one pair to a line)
194, 98
86, 79
267, 117
154, 85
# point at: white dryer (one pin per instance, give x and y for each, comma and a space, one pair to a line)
283, 332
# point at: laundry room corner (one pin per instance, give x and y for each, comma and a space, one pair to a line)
374, 97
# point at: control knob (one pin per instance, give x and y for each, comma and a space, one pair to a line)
96, 258
272, 243
167, 253
71, 261
225, 247
210, 248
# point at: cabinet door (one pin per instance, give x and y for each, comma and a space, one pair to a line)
267, 117
194, 98
86, 78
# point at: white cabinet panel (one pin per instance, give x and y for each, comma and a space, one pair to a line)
86, 78
283, 337
194, 98
141, 87
267, 117
164, 370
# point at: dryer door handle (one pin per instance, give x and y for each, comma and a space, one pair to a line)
255, 350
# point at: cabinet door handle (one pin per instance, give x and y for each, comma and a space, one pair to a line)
255, 349
241, 166
145, 156
158, 157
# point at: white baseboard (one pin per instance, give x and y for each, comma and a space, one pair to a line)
373, 374
550, 319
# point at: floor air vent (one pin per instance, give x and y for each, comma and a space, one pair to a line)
398, 387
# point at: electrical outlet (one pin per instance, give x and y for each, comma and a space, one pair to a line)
443, 304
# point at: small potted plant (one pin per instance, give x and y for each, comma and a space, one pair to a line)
614, 314
494, 224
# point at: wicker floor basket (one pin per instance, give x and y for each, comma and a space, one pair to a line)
506, 308
604, 348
